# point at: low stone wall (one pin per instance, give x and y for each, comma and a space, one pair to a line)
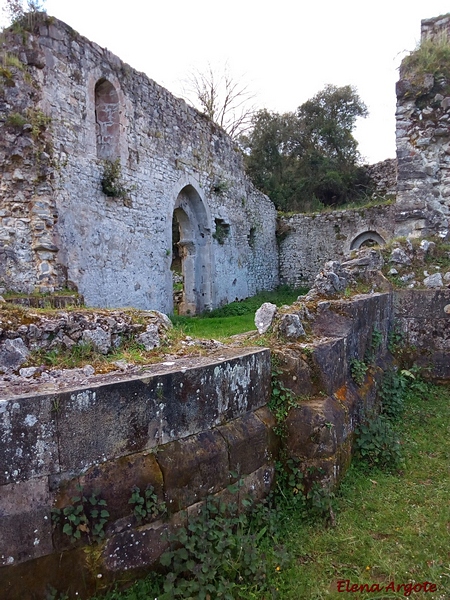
307, 241
184, 428
180, 428
424, 318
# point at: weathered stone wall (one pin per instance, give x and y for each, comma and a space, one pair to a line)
306, 242
118, 250
424, 317
383, 176
183, 428
423, 145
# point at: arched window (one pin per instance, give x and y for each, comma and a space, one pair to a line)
107, 120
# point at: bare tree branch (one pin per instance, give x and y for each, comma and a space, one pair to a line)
224, 99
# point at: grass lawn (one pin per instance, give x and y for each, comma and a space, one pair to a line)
390, 527
234, 318
391, 530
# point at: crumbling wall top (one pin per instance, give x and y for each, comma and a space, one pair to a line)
436, 28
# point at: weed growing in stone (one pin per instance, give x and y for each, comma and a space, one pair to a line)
281, 401
146, 506
111, 181
358, 370
85, 516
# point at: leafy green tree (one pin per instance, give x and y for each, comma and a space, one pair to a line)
308, 158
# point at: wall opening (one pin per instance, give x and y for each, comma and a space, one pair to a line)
176, 266
107, 120
368, 238
191, 254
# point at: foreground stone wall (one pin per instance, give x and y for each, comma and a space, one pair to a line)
184, 428
89, 108
424, 317
181, 428
306, 242
423, 145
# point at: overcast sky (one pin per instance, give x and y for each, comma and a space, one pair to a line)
286, 50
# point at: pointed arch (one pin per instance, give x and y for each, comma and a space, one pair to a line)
191, 217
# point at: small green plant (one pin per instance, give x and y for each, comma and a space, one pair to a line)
84, 516
147, 507
215, 556
53, 594
377, 443
377, 338
358, 369
320, 501
281, 401
392, 392
375, 343
396, 338
111, 181
220, 187
289, 485
222, 231
16, 120
39, 122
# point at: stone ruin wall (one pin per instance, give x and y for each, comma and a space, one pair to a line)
58, 227
423, 146
306, 242
183, 428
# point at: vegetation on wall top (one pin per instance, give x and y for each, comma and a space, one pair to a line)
432, 57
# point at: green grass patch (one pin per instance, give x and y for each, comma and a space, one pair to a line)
390, 527
234, 318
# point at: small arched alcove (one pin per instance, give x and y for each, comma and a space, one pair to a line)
367, 238
191, 252
107, 120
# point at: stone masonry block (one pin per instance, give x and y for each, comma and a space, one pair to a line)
316, 428
28, 439
330, 361
421, 304
247, 441
295, 373
99, 423
193, 468
25, 522
136, 548
195, 400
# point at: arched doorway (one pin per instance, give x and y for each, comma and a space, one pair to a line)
191, 253
368, 238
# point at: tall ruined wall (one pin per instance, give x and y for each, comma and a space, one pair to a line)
306, 241
118, 250
423, 141
27, 185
